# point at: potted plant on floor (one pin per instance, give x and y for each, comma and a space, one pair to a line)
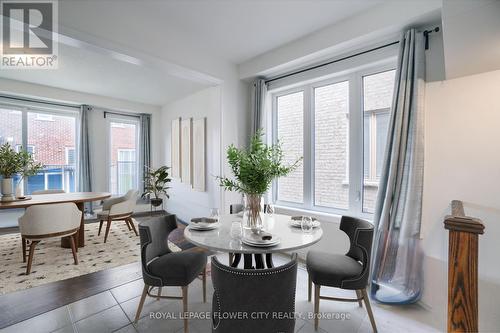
254, 170
15, 163
156, 181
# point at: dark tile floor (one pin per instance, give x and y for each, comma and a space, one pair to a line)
113, 311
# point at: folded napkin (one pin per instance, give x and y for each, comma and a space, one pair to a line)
203, 219
262, 236
299, 218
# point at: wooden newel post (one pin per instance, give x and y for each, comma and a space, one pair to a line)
462, 270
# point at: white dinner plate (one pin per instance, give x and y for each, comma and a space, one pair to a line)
204, 226
261, 243
298, 224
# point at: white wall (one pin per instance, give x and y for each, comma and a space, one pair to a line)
382, 22
472, 33
462, 161
185, 202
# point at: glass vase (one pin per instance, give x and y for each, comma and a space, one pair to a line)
253, 213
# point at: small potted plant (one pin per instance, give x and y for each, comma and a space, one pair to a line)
15, 163
254, 170
156, 181
29, 167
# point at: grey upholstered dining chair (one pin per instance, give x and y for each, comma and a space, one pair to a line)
248, 292
52, 191
161, 267
349, 271
118, 209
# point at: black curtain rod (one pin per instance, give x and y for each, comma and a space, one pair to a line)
332, 62
426, 35
121, 114
40, 101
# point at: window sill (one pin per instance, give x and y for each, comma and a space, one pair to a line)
366, 183
321, 216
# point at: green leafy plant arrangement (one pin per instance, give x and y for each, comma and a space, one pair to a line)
255, 167
12, 162
156, 181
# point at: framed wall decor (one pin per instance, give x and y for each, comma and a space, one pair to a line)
176, 148
198, 149
186, 150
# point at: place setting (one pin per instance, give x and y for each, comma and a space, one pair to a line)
206, 223
306, 223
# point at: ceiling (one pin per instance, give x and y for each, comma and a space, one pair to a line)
233, 30
229, 31
96, 72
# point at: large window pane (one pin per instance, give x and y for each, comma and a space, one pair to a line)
11, 128
331, 141
123, 150
290, 119
50, 137
377, 100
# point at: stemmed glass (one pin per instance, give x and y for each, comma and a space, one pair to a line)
270, 209
214, 213
307, 224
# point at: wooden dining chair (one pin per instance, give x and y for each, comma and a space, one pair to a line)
41, 222
161, 267
118, 209
349, 271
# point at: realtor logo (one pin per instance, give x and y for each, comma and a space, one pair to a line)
29, 34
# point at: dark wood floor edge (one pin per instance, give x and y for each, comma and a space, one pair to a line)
24, 304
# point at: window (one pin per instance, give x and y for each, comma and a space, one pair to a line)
340, 127
46, 140
290, 114
377, 99
70, 155
331, 145
123, 154
51, 137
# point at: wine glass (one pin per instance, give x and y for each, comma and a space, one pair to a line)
236, 230
307, 224
270, 209
214, 213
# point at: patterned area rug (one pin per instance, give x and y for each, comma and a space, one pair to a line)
53, 263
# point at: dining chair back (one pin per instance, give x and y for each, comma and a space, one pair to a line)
49, 221
349, 271
118, 209
247, 292
161, 267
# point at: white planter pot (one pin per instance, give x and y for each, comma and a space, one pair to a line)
8, 189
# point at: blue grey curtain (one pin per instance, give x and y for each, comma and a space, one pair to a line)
396, 265
85, 161
145, 144
259, 92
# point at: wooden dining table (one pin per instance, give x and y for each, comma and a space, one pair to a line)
79, 198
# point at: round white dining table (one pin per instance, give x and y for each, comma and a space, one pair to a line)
220, 239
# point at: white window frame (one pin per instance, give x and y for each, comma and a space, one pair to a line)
66, 154
355, 172
112, 118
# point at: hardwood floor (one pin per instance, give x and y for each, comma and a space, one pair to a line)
21, 305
